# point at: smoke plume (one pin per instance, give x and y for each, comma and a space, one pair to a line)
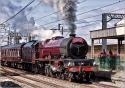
67, 9
21, 23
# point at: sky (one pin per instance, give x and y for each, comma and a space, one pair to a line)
29, 19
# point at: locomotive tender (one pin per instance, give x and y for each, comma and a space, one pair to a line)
60, 57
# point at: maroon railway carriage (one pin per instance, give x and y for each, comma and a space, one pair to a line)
11, 55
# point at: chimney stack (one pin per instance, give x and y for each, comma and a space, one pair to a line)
72, 35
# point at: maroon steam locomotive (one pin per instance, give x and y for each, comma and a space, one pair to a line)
60, 57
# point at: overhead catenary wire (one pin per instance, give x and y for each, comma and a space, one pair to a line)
87, 11
88, 22
54, 12
95, 21
82, 1
88, 25
46, 15
102, 7
98, 15
18, 12
34, 7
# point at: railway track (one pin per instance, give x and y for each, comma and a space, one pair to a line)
25, 82
105, 86
29, 80
52, 83
11, 75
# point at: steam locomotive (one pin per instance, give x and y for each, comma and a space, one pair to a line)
60, 57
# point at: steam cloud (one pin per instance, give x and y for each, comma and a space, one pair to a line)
42, 34
21, 23
67, 9
25, 26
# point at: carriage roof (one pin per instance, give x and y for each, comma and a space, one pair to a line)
12, 46
31, 43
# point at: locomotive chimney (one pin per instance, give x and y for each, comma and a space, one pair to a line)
72, 35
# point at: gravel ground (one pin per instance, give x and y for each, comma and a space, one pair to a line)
42, 85
119, 79
9, 83
66, 84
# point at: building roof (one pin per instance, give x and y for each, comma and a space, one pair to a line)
13, 46
30, 44
109, 33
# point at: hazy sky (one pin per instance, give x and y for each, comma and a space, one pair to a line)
35, 11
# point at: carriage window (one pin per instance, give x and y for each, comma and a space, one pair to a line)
10, 52
1, 52
18, 53
15, 52
5, 52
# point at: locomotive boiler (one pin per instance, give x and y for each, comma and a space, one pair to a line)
72, 47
